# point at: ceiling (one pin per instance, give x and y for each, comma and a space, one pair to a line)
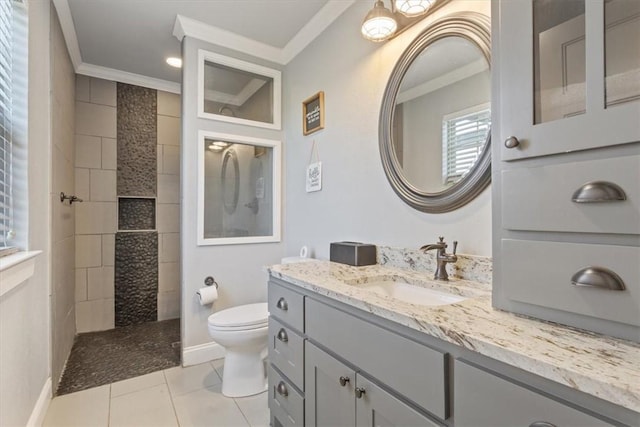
132, 38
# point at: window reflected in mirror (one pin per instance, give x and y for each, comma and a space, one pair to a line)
240, 181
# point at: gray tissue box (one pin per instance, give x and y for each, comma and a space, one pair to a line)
353, 253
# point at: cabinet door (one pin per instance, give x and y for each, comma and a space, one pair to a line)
486, 400
377, 408
329, 395
569, 75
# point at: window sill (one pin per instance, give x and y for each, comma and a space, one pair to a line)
16, 269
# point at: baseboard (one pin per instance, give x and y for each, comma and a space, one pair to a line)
202, 353
40, 409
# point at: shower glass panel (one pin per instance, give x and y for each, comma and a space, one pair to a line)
239, 190
622, 51
235, 91
559, 59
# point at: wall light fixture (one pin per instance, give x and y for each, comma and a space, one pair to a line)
381, 24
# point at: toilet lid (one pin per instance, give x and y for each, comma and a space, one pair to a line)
243, 315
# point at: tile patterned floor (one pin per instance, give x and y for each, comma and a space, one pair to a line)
99, 358
173, 397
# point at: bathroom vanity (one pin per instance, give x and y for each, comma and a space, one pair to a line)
343, 352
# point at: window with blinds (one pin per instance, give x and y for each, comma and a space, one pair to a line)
13, 52
463, 137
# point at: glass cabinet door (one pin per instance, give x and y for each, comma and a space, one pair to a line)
569, 75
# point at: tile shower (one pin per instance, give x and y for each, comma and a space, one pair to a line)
127, 229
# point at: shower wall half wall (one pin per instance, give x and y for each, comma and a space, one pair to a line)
127, 229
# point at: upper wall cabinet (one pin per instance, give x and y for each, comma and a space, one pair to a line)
573, 73
236, 91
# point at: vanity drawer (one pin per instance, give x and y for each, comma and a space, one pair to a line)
413, 370
540, 199
286, 351
541, 273
285, 402
486, 400
286, 305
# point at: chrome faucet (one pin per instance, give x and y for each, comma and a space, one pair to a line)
442, 257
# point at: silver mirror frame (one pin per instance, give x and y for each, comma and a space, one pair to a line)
475, 28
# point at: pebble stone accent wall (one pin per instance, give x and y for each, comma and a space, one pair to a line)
137, 136
136, 269
136, 277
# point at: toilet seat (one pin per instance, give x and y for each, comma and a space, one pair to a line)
243, 317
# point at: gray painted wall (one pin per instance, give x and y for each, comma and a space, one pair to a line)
238, 269
357, 202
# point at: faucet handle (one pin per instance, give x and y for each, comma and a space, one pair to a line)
455, 246
441, 238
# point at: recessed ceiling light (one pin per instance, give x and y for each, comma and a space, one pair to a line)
174, 62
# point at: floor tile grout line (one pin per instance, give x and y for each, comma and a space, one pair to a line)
242, 412
173, 405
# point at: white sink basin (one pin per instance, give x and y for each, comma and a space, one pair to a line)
411, 293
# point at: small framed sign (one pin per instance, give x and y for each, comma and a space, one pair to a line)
313, 113
314, 177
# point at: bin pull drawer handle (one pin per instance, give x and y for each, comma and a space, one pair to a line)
599, 192
598, 277
282, 304
541, 424
282, 389
282, 335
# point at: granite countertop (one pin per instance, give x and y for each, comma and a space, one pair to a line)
601, 366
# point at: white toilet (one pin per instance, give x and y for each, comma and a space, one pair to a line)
242, 331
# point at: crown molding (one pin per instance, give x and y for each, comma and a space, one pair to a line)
126, 77
199, 30
69, 31
321, 20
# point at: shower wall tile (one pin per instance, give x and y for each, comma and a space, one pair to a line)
100, 283
88, 149
103, 92
169, 277
168, 104
136, 277
83, 88
168, 305
83, 189
81, 284
96, 217
108, 249
96, 315
103, 185
168, 188
137, 139
88, 251
170, 247
168, 218
136, 214
95, 120
109, 154
170, 159
168, 130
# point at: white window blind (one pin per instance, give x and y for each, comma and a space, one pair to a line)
463, 137
6, 103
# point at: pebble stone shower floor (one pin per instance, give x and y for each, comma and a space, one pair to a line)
104, 357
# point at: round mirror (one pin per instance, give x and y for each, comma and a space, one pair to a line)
230, 177
436, 116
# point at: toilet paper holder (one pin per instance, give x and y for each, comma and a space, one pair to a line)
210, 281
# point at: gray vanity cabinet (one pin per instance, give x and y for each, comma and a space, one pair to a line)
339, 396
566, 162
483, 399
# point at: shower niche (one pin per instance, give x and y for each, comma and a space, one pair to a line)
238, 189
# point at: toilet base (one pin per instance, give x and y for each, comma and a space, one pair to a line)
244, 374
